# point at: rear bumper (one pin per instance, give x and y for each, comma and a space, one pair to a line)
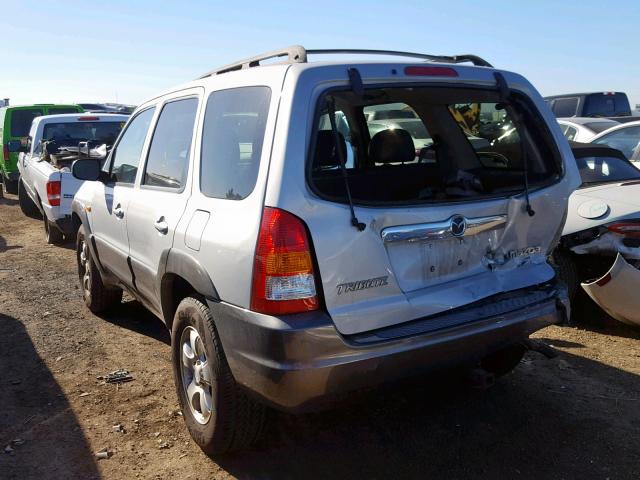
296, 362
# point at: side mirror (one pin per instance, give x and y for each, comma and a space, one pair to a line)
87, 169
15, 146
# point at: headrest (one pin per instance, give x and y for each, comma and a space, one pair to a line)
392, 146
326, 152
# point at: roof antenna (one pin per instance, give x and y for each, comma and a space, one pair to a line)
331, 110
505, 93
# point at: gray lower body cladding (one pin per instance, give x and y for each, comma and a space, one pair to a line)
296, 362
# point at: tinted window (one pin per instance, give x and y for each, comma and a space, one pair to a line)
605, 169
58, 111
126, 157
21, 121
604, 105
234, 126
168, 159
625, 139
565, 107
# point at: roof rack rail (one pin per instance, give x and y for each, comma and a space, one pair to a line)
298, 54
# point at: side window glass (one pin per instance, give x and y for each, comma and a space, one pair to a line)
570, 133
169, 153
565, 107
626, 140
234, 126
126, 156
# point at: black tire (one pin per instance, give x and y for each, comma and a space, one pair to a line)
235, 421
51, 233
10, 186
97, 296
28, 206
503, 361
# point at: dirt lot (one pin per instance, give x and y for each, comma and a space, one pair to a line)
575, 416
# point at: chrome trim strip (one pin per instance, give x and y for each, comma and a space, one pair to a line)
441, 230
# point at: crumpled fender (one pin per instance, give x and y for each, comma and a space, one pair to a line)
616, 292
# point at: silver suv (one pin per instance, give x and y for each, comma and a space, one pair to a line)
294, 256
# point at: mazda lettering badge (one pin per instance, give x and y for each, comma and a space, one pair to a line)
458, 225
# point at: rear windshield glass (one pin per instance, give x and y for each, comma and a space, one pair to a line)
61, 110
606, 105
70, 134
598, 127
21, 121
598, 169
455, 144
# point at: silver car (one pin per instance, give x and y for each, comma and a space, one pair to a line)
288, 277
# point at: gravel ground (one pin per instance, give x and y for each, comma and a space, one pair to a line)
575, 416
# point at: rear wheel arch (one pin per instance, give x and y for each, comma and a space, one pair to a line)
184, 276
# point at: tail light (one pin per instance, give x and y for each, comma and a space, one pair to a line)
5, 152
283, 275
53, 193
626, 229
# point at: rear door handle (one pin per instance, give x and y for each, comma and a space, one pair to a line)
162, 226
118, 211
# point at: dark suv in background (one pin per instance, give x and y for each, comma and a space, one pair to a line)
593, 104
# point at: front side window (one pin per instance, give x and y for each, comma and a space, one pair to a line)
234, 127
21, 121
125, 158
625, 139
169, 152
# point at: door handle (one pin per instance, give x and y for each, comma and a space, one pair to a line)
118, 211
162, 226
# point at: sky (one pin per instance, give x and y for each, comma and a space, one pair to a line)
128, 51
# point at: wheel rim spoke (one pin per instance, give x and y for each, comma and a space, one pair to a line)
205, 402
188, 356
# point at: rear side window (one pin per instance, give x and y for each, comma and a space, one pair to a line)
21, 121
234, 126
61, 110
455, 145
126, 156
169, 153
565, 107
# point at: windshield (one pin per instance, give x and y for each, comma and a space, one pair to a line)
69, 134
602, 169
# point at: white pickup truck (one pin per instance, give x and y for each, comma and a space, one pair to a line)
46, 184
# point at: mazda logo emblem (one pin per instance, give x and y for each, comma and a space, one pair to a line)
458, 225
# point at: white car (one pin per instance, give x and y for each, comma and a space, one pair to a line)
603, 222
625, 137
46, 184
583, 129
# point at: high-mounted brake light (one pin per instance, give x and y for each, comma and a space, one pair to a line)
431, 71
283, 275
53, 193
627, 229
88, 119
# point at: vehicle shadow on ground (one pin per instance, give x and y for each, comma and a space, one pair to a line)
133, 316
4, 247
7, 201
33, 408
529, 425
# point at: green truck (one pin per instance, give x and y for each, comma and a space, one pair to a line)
15, 122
